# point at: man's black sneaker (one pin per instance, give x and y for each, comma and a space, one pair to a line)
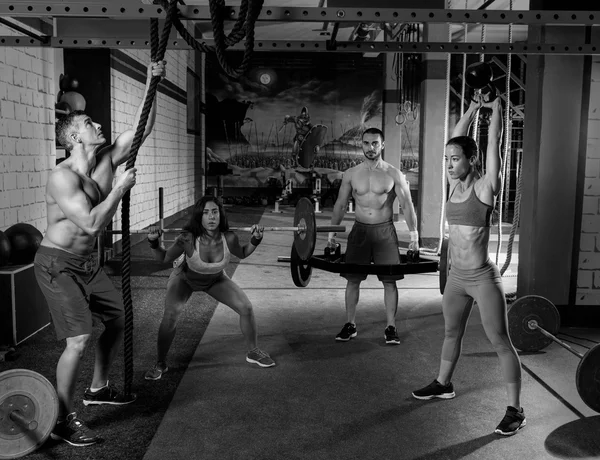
512, 422
435, 390
348, 332
391, 336
74, 431
107, 395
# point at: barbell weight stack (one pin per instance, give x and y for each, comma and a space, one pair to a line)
28, 412
533, 322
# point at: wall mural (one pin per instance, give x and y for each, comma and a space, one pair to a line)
293, 118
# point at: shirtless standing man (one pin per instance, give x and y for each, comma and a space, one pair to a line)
81, 200
374, 185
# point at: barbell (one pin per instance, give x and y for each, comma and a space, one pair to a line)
28, 412
305, 229
533, 322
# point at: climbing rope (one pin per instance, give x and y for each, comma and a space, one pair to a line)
244, 26
157, 53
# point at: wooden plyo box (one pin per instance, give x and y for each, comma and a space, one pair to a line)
23, 308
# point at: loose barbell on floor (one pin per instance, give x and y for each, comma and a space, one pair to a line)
533, 322
28, 412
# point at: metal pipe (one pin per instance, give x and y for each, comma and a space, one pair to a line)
300, 229
534, 325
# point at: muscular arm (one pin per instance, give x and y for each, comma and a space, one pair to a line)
339, 208
402, 190
493, 157
120, 149
174, 251
233, 243
65, 187
463, 125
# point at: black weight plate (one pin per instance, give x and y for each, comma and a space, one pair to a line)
525, 309
301, 271
588, 378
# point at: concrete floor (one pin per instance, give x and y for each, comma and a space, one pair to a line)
328, 400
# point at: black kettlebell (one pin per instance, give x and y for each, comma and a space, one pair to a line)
336, 253
479, 75
412, 257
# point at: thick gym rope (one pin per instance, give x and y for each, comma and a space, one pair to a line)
158, 53
244, 26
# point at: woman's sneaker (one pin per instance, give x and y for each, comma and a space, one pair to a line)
74, 431
257, 356
156, 372
107, 395
512, 422
348, 332
435, 390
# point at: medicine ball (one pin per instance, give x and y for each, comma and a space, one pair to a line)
24, 241
4, 249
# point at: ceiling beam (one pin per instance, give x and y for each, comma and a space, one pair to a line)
112, 9
143, 42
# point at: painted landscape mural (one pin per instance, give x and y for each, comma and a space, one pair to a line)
257, 124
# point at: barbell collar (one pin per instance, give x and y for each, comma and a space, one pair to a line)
534, 325
17, 416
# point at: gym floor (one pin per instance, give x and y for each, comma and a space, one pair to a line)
329, 400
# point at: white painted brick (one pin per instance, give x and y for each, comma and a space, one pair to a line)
27, 130
586, 279
591, 187
33, 117
12, 57
20, 112
590, 205
593, 147
592, 167
20, 78
589, 261
23, 214
24, 62
587, 298
3, 90
13, 94
32, 81
4, 201
15, 198
6, 74
7, 110
3, 127
22, 147
14, 128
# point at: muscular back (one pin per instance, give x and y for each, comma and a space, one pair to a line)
373, 192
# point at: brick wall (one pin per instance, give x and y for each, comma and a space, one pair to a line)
27, 148
588, 277
28, 86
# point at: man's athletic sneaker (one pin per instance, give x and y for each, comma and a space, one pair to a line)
348, 332
107, 395
74, 431
391, 336
156, 372
512, 422
435, 390
257, 356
